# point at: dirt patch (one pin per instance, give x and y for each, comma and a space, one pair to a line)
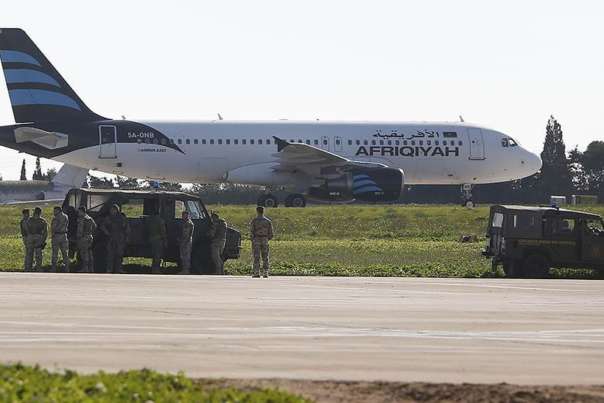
353, 392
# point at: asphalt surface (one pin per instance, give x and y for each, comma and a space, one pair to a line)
434, 330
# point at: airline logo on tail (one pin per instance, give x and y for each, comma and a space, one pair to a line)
36, 90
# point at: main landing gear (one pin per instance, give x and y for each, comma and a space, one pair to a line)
466, 191
292, 200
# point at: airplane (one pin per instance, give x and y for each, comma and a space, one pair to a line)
36, 191
327, 161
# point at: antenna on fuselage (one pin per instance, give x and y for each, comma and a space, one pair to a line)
461, 119
220, 117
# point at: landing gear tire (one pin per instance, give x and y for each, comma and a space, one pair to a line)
295, 200
469, 204
268, 200
535, 266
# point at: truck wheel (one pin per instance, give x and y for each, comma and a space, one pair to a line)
535, 266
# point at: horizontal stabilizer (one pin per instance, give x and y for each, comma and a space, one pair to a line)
49, 140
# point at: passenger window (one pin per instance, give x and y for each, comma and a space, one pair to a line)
219, 141
228, 141
338, 142
243, 141
365, 142
373, 142
188, 141
235, 141
211, 141
203, 141
349, 142
252, 141
308, 142
358, 142
196, 141
179, 141
381, 142
397, 142
460, 143
260, 142
316, 142
268, 142
179, 207
405, 143
444, 142
324, 142
413, 142
133, 207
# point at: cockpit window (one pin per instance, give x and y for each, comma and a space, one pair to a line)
508, 142
512, 142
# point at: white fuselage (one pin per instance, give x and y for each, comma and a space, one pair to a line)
466, 154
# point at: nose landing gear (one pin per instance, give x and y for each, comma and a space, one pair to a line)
466, 191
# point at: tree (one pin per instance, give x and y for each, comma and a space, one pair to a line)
593, 166
555, 175
23, 171
127, 183
50, 174
38, 175
100, 183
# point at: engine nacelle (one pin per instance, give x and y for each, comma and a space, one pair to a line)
367, 184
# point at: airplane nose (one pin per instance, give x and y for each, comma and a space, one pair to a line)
531, 163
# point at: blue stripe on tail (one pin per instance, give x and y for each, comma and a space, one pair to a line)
18, 76
41, 97
14, 56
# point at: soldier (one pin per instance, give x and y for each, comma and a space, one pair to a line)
23, 227
156, 228
115, 226
84, 238
58, 229
37, 232
218, 235
261, 231
185, 242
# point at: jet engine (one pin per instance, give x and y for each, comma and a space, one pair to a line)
367, 184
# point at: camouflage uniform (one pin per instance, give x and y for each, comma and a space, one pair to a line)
84, 238
58, 228
218, 235
116, 229
37, 231
156, 229
23, 227
185, 243
261, 231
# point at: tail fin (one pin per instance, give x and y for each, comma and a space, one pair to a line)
37, 91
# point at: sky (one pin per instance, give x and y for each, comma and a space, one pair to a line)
508, 65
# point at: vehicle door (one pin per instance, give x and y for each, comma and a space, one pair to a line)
495, 233
171, 213
592, 242
561, 236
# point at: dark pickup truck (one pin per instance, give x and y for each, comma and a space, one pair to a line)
528, 241
137, 205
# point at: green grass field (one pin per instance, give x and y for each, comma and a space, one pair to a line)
344, 240
19, 383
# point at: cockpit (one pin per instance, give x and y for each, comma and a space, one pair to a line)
508, 142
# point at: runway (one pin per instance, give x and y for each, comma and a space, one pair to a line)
395, 329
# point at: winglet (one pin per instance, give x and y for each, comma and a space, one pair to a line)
281, 144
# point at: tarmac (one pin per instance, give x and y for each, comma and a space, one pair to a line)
391, 329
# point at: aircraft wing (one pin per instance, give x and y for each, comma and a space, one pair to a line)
306, 158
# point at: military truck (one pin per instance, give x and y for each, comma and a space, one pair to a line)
528, 241
136, 205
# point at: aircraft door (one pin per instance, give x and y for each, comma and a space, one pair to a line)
325, 143
476, 141
337, 144
107, 142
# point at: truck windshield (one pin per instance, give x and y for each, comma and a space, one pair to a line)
595, 225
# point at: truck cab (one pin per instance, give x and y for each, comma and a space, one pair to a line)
137, 205
528, 241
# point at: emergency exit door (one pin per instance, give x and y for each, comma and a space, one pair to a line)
107, 142
476, 141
